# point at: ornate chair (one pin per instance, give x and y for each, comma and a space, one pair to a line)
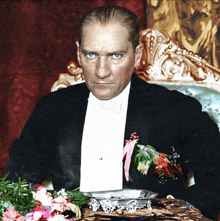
165, 63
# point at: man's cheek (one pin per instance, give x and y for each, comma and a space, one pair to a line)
118, 70
88, 72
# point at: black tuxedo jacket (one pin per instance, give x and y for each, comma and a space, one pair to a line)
51, 141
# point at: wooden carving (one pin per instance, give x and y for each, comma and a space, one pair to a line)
164, 60
74, 76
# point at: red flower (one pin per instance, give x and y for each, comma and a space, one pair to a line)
39, 187
166, 167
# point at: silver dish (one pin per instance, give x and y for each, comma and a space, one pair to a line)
129, 199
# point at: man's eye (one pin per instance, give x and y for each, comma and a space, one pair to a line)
90, 55
116, 56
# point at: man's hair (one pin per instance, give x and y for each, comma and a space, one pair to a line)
107, 14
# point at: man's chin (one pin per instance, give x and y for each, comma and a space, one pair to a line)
103, 96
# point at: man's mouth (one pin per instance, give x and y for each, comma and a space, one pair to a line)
102, 84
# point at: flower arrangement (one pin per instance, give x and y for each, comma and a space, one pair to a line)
165, 166
18, 201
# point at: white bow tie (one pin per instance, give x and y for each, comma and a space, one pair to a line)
113, 105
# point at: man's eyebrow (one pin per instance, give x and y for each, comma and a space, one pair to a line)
118, 52
84, 51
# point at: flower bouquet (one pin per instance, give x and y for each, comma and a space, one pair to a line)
145, 156
18, 201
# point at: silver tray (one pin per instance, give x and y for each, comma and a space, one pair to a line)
129, 199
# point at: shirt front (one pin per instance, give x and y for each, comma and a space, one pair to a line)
102, 143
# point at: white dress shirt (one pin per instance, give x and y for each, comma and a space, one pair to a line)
103, 142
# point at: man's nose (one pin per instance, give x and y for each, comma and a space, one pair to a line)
102, 67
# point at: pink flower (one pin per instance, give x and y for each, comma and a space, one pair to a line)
11, 214
42, 196
39, 213
59, 204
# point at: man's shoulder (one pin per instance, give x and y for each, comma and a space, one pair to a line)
141, 85
142, 88
159, 94
66, 95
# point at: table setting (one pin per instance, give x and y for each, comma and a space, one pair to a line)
19, 201
134, 204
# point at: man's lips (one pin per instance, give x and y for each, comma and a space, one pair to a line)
102, 84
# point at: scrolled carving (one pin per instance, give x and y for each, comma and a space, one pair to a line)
74, 76
163, 60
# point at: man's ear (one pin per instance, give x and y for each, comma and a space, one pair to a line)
138, 54
78, 52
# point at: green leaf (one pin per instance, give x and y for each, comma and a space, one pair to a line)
18, 194
77, 197
145, 153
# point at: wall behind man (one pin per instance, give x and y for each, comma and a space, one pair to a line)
194, 24
37, 41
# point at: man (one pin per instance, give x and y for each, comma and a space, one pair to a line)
74, 134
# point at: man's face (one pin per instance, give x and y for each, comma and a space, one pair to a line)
107, 58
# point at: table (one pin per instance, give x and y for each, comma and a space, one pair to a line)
162, 209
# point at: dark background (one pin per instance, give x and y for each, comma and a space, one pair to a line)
37, 41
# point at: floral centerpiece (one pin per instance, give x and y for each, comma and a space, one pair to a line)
18, 201
145, 156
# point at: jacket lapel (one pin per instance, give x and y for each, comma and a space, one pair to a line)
135, 115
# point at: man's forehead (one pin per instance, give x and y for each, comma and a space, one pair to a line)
111, 36
109, 23
92, 26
